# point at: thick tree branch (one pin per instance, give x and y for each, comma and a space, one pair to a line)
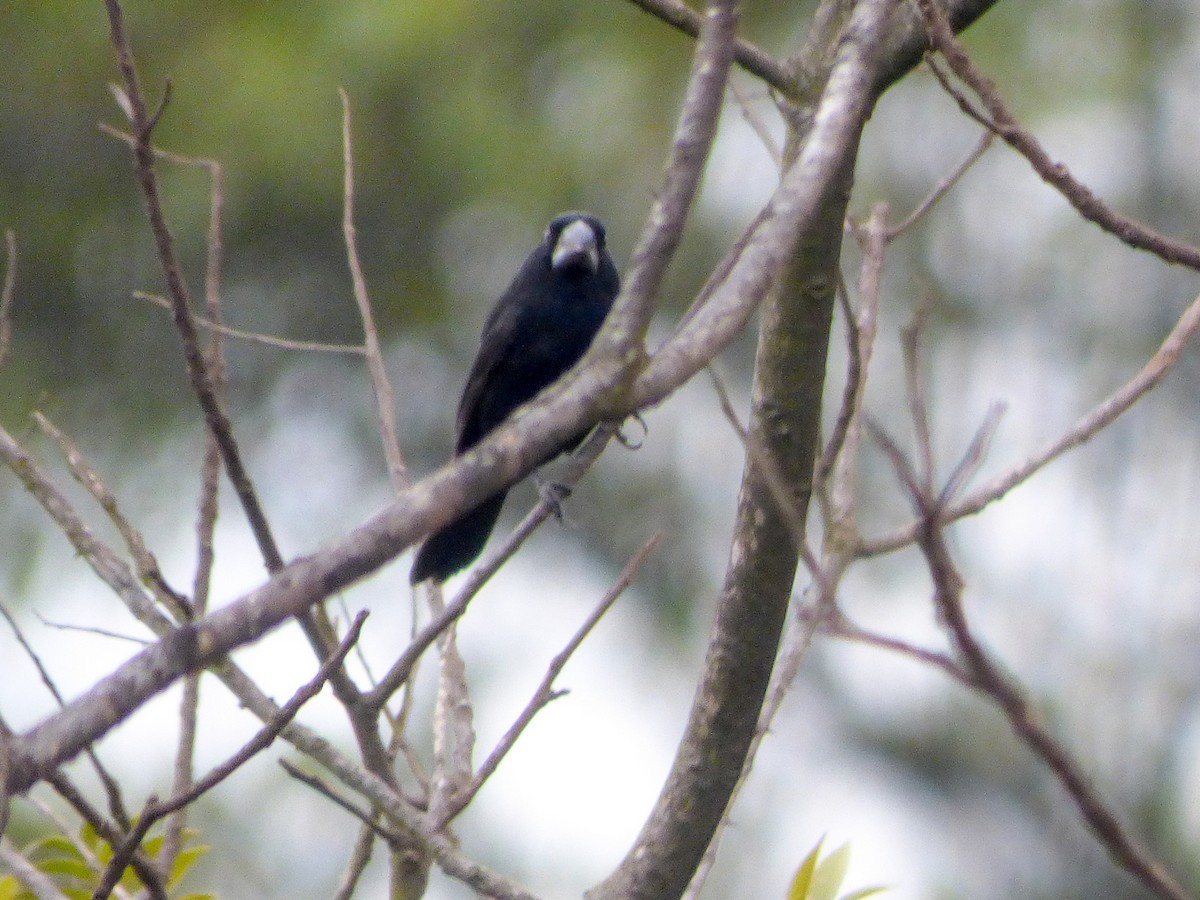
794, 253
904, 45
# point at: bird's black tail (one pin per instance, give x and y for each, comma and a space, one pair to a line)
455, 546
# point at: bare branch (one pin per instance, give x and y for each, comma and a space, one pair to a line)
1086, 203
319, 785
752, 117
1084, 429
781, 255
990, 678
91, 629
748, 56
112, 790
7, 292
840, 626
384, 397
753, 264
206, 522
360, 856
850, 390
625, 328
943, 187
156, 809
545, 692
30, 876
910, 343
141, 864
453, 721
181, 304
581, 460
266, 340
89, 478
104, 561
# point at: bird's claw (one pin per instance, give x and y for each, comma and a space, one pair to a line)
553, 493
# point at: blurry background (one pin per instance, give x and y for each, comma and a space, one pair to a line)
473, 125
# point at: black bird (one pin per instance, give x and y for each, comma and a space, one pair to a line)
540, 327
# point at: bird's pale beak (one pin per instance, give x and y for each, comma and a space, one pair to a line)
576, 248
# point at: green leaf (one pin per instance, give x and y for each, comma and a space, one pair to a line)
829, 874
91, 839
130, 880
61, 865
802, 880
863, 893
10, 888
54, 845
196, 897
184, 861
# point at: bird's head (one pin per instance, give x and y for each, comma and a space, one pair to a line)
576, 242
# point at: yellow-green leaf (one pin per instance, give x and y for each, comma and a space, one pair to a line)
53, 845
89, 837
61, 865
802, 880
830, 873
184, 861
863, 893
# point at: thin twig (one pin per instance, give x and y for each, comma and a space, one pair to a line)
840, 626
943, 187
545, 692
179, 293
1084, 429
7, 292
624, 331
267, 340
312, 621
206, 520
156, 809
143, 866
990, 678
756, 123
28, 874
112, 790
385, 400
91, 629
910, 343
751, 58
453, 720
147, 566
1091, 207
839, 461
973, 457
850, 390
360, 856
319, 785
581, 460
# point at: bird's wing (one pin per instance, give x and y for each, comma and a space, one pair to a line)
494, 344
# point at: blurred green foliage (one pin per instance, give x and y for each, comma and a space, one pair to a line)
76, 865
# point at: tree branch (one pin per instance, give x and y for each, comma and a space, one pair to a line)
802, 229
751, 58
1000, 120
